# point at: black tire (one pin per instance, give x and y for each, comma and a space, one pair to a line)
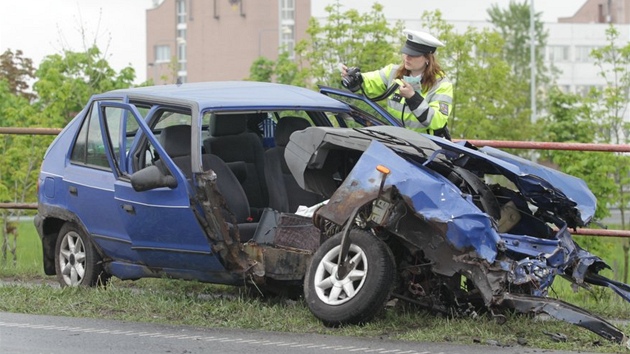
77, 263
371, 288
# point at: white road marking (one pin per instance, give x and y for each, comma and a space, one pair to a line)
349, 349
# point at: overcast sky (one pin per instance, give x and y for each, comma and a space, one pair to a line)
44, 27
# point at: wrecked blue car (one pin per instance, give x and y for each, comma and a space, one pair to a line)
446, 226
204, 181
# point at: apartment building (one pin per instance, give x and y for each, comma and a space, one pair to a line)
212, 40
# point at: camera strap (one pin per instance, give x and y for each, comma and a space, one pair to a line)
390, 90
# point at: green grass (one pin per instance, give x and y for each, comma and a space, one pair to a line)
211, 306
206, 305
27, 262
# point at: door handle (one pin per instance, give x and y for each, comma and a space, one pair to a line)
129, 208
73, 190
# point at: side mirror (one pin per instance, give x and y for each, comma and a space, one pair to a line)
150, 178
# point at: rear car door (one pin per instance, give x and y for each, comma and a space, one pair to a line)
88, 181
160, 222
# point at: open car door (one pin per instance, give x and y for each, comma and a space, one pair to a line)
160, 221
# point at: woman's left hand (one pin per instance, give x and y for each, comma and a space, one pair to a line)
406, 90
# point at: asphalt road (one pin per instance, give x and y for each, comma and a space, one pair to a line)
34, 334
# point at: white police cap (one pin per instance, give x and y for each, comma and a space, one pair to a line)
419, 43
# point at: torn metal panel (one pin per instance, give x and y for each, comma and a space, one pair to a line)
227, 244
566, 312
280, 263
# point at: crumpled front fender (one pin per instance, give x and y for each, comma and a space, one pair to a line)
428, 193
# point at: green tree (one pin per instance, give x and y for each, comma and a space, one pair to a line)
570, 119
283, 70
20, 158
613, 61
611, 108
366, 40
488, 98
66, 81
17, 70
513, 24
262, 70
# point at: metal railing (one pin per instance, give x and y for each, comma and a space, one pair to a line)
533, 145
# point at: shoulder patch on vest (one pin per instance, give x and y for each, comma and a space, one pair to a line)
444, 108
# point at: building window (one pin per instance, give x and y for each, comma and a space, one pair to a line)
583, 54
181, 11
287, 42
586, 90
558, 53
162, 53
181, 32
181, 56
565, 88
287, 27
287, 9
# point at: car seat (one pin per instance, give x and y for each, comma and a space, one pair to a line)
176, 140
231, 141
285, 194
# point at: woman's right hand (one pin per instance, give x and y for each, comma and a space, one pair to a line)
344, 70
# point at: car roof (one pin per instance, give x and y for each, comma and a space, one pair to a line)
234, 95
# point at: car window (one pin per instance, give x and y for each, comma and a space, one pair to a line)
89, 148
169, 118
363, 115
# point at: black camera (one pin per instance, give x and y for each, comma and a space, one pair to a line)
353, 79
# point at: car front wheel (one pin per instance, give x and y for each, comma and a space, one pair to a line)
77, 262
359, 295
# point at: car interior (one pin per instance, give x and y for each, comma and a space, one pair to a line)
246, 151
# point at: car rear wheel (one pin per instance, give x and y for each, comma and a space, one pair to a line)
359, 295
77, 263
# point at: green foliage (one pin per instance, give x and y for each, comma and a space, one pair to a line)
28, 256
66, 81
513, 25
356, 39
487, 103
283, 70
366, 40
611, 107
64, 85
570, 120
20, 157
613, 61
17, 71
261, 70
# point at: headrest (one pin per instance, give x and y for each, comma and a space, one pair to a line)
228, 124
286, 126
176, 140
253, 122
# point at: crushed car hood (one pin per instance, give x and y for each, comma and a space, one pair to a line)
547, 188
565, 196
